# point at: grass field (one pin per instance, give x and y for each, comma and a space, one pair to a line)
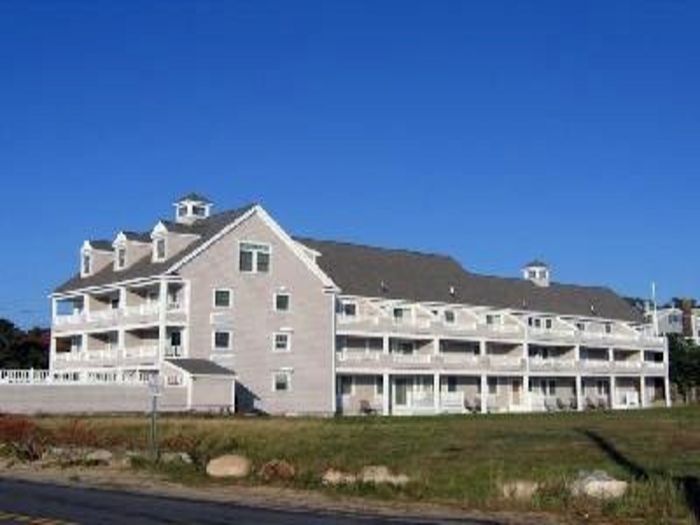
454, 460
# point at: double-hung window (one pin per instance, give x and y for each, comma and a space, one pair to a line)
449, 316
159, 249
282, 302
223, 298
254, 257
222, 341
282, 342
282, 381
87, 264
121, 258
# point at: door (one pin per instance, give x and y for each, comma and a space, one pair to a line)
401, 388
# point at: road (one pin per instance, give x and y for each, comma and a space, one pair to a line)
25, 502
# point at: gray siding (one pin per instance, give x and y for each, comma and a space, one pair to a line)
253, 322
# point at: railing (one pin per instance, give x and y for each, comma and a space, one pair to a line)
411, 358
600, 365
627, 365
173, 351
112, 314
73, 377
345, 355
140, 351
654, 365
553, 364
74, 318
501, 328
505, 362
23, 376
460, 358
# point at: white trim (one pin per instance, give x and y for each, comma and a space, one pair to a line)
218, 349
254, 259
288, 347
230, 299
288, 372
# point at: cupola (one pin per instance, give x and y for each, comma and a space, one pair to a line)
537, 272
191, 208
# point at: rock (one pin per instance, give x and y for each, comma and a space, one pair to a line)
99, 457
337, 477
380, 474
277, 469
521, 490
599, 485
176, 457
229, 466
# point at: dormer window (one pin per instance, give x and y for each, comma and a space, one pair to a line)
191, 208
120, 260
199, 211
159, 249
86, 265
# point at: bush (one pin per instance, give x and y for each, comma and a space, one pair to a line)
24, 439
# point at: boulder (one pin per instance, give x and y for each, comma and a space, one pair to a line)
334, 477
277, 469
99, 457
521, 490
378, 474
599, 485
229, 466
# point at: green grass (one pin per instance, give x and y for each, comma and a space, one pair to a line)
455, 460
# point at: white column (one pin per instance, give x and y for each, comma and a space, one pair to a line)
667, 382
121, 342
482, 347
387, 394
162, 313
579, 393
643, 391
385, 344
526, 392
436, 345
122, 298
52, 353
54, 309
86, 304
613, 397
436, 392
484, 393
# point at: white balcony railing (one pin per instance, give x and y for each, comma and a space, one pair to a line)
414, 358
23, 376
505, 362
460, 358
552, 364
349, 355
135, 352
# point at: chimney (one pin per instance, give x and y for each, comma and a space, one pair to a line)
686, 306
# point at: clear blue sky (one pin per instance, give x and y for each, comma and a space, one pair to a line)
494, 131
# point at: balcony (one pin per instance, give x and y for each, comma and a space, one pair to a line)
142, 314
107, 355
538, 364
505, 363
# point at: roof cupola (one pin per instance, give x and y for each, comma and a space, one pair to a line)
191, 208
537, 272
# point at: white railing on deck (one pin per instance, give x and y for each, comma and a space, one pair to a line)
411, 358
74, 377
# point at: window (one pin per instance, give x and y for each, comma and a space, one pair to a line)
600, 387
87, 264
608, 328
493, 387
451, 384
378, 385
581, 327
282, 302
345, 385
532, 274
254, 258
282, 342
222, 298
548, 324
114, 303
199, 211
348, 309
404, 347
159, 249
176, 338
222, 340
121, 258
282, 381
182, 211
492, 319
449, 316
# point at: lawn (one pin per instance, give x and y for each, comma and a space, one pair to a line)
455, 460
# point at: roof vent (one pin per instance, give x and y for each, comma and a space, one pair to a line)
191, 208
537, 272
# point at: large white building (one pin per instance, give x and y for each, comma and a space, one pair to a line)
232, 311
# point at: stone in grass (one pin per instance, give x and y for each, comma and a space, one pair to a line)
176, 457
598, 485
229, 466
380, 474
333, 477
520, 490
277, 469
99, 457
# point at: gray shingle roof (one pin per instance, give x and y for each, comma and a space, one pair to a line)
102, 244
192, 196
400, 274
201, 367
138, 236
145, 267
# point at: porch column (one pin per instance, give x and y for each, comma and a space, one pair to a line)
613, 403
643, 391
122, 298
436, 345
86, 304
526, 392
387, 394
54, 309
385, 344
482, 347
579, 393
484, 393
162, 313
436, 392
52, 352
121, 342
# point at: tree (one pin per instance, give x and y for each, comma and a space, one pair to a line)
23, 349
684, 361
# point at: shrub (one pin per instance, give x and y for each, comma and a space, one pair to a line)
24, 439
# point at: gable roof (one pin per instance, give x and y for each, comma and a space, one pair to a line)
145, 267
201, 367
401, 274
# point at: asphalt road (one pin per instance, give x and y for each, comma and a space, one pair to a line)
24, 502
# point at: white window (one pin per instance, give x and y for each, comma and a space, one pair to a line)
121, 258
223, 298
449, 316
282, 302
199, 211
282, 342
282, 381
222, 341
86, 264
347, 309
159, 249
254, 257
182, 211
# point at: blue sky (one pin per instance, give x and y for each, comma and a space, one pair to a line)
494, 131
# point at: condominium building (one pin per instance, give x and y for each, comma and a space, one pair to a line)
680, 317
230, 310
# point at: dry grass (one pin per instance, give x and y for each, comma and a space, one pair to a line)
458, 460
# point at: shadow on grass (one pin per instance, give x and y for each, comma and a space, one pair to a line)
690, 485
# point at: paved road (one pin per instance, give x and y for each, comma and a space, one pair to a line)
45, 504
